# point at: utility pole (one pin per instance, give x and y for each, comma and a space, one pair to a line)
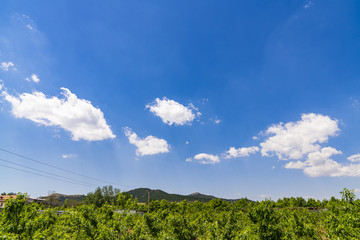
148, 200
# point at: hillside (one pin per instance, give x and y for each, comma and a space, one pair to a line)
142, 195
62, 197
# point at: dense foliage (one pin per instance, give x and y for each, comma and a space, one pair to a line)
287, 218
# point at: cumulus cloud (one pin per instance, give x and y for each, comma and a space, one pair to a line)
205, 158
5, 66
240, 152
69, 156
354, 158
319, 164
172, 112
294, 140
33, 78
78, 116
147, 146
301, 141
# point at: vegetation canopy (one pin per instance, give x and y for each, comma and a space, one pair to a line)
108, 213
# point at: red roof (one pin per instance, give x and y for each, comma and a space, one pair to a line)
5, 197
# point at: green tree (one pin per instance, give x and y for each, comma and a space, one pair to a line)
348, 195
106, 194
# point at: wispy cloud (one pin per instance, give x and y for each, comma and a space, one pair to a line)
355, 103
27, 21
5, 66
69, 156
78, 116
216, 120
146, 146
308, 4
172, 112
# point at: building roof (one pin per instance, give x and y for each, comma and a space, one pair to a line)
5, 197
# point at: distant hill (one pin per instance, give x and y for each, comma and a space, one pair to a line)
61, 197
142, 195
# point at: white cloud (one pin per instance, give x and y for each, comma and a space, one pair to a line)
188, 160
296, 165
319, 163
78, 116
172, 112
69, 156
5, 66
187, 142
354, 158
27, 22
308, 4
302, 139
35, 78
294, 140
29, 27
147, 146
255, 138
240, 152
205, 158
25, 16
216, 120
204, 100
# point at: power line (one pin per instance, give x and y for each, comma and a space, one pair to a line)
62, 169
49, 165
71, 179
42, 175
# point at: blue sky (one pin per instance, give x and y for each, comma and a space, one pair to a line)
239, 99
